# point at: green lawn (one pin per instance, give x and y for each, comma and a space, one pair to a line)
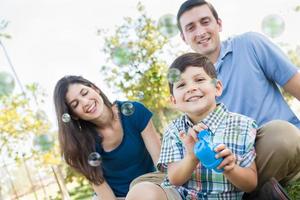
294, 190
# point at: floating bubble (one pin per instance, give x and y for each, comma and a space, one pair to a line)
121, 56
273, 25
94, 159
167, 25
140, 95
7, 83
127, 108
43, 142
173, 75
66, 117
3, 24
41, 115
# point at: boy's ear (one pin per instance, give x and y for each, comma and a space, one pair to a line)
219, 88
173, 100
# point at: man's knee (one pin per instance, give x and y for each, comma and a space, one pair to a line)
280, 137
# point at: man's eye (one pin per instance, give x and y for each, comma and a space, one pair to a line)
180, 85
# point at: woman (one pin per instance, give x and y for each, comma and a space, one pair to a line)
89, 124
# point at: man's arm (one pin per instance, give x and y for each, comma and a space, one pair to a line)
293, 86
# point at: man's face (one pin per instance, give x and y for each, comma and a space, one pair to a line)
200, 30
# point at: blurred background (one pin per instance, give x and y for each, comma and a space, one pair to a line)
125, 47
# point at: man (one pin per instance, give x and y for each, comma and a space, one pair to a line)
251, 67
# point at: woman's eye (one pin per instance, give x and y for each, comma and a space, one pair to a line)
85, 92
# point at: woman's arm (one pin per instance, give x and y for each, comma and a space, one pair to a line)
152, 141
104, 191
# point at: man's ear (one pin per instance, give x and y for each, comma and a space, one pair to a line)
182, 36
219, 22
172, 100
219, 88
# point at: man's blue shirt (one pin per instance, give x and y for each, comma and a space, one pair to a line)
131, 158
251, 68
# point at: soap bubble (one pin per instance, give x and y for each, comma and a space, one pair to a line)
66, 117
167, 25
94, 159
173, 75
273, 25
121, 56
127, 108
7, 83
43, 142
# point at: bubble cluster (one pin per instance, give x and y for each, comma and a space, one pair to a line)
173, 75
66, 117
127, 108
140, 95
167, 25
94, 159
273, 25
7, 83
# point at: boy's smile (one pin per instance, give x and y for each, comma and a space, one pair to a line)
195, 93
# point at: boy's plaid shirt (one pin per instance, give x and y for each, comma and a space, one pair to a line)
236, 131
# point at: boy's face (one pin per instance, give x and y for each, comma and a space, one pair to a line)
200, 30
195, 93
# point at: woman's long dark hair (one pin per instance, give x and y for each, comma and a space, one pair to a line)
77, 138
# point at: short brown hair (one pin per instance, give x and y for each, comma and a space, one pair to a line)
193, 59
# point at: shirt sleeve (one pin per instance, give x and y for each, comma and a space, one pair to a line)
171, 149
141, 116
249, 152
274, 63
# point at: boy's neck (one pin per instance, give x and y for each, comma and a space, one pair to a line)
197, 117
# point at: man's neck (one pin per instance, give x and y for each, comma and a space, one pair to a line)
213, 57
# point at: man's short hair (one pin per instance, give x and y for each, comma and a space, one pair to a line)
192, 59
189, 4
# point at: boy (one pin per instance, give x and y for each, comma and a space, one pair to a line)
195, 94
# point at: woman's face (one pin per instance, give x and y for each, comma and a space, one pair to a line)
85, 102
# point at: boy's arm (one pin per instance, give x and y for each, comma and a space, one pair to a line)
180, 172
243, 178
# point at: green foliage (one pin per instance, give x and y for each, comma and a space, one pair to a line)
294, 56
19, 122
294, 190
134, 65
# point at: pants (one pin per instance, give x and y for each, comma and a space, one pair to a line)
278, 152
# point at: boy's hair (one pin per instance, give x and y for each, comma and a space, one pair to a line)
193, 59
189, 4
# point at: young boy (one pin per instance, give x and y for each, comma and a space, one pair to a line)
194, 94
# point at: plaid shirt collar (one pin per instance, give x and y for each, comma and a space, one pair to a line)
212, 121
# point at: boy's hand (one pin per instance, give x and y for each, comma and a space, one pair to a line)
191, 138
229, 158
188, 140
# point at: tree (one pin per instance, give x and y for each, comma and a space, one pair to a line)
135, 65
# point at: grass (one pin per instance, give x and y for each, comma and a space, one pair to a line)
294, 190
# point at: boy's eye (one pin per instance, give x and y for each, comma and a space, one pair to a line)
200, 79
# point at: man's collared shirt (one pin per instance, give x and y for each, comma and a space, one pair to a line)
236, 131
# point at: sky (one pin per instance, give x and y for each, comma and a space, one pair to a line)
53, 38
